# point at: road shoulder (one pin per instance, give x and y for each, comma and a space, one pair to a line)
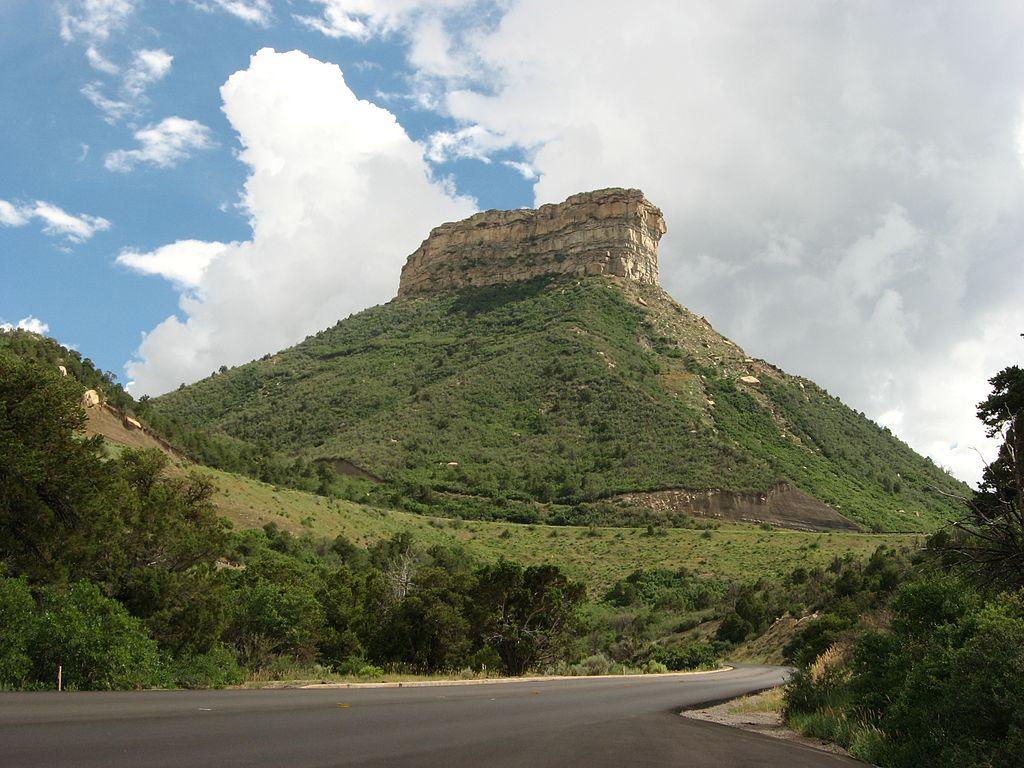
495, 680
759, 713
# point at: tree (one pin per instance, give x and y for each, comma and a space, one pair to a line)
994, 545
55, 518
525, 614
17, 609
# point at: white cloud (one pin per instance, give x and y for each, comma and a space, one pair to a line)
338, 195
100, 62
113, 109
944, 392
258, 12
60, 223
525, 170
843, 190
30, 323
472, 142
93, 20
363, 19
182, 262
55, 220
164, 145
148, 67
13, 215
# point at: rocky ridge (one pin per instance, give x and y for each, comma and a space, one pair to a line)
605, 232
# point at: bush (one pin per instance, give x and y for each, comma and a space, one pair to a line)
214, 669
360, 668
814, 638
99, 645
734, 629
695, 654
946, 682
17, 615
598, 664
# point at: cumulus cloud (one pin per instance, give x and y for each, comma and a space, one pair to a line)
182, 262
338, 195
55, 220
843, 187
163, 145
30, 323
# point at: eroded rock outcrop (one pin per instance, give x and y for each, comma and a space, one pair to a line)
607, 232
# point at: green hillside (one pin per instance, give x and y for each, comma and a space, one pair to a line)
560, 392
49, 352
597, 556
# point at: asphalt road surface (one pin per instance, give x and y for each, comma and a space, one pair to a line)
586, 722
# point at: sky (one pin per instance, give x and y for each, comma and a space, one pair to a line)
186, 184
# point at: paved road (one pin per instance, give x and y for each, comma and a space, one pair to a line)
587, 723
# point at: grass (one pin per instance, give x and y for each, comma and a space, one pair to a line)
767, 701
862, 741
311, 675
598, 556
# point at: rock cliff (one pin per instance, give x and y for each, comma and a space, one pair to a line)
607, 232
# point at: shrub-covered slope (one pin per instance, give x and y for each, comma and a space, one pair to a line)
562, 391
49, 352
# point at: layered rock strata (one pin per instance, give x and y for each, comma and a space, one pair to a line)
607, 232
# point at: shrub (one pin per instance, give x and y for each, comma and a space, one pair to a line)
360, 668
946, 682
99, 645
734, 629
17, 614
598, 664
692, 655
216, 668
814, 638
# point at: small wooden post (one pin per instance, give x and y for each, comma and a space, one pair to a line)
60, 677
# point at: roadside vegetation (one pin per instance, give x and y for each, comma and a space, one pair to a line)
594, 554
123, 576
926, 657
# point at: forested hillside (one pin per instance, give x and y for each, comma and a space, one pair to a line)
560, 392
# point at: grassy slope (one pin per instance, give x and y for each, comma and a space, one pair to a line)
567, 391
597, 556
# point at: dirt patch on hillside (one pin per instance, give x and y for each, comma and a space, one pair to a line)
782, 505
118, 428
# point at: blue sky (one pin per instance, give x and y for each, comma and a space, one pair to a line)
55, 142
190, 183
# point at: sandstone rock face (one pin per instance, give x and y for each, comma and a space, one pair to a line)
607, 232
